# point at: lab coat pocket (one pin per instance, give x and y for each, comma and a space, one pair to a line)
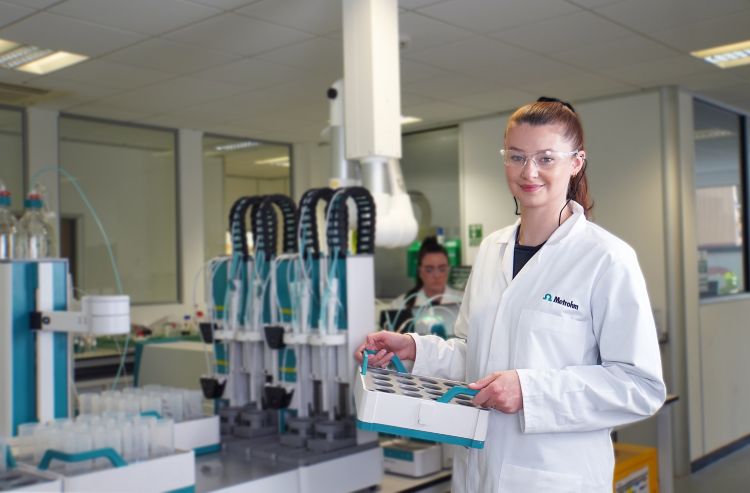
548, 340
517, 479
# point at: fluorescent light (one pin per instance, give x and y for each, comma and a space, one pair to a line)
726, 56
50, 63
35, 60
22, 55
712, 133
237, 146
406, 120
282, 162
6, 45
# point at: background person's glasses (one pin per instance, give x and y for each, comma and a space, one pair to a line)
429, 269
544, 160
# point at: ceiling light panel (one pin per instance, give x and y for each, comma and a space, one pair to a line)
726, 56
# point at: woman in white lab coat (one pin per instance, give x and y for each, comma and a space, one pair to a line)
555, 329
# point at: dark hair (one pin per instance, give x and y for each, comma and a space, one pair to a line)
429, 245
550, 111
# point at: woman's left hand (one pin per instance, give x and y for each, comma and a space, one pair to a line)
500, 390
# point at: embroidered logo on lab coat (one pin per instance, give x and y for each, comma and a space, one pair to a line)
560, 301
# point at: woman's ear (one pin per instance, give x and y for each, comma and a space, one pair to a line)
578, 161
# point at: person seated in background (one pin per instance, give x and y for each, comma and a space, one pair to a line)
430, 291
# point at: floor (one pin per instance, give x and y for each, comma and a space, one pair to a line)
728, 475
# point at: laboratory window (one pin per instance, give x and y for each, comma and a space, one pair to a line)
237, 167
129, 176
11, 157
721, 223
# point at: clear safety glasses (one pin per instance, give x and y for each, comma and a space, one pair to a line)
544, 160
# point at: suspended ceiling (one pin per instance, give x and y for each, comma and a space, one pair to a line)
261, 68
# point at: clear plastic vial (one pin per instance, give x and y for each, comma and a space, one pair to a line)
8, 226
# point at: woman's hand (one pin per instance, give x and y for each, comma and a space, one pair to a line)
386, 344
500, 390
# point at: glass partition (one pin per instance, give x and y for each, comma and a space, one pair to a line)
233, 168
719, 200
129, 175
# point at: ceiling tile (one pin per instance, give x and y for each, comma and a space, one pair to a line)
34, 4
412, 99
445, 86
484, 16
737, 92
708, 33
563, 33
659, 72
499, 99
63, 33
144, 16
251, 73
414, 4
171, 95
168, 56
412, 71
109, 74
237, 34
83, 91
10, 13
590, 4
440, 111
101, 110
226, 4
649, 16
419, 32
314, 55
580, 87
699, 82
311, 16
14, 76
467, 55
602, 56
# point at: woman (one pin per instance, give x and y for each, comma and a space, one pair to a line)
556, 325
432, 279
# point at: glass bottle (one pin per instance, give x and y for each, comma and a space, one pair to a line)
35, 236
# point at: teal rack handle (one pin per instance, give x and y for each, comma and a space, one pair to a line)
102, 453
10, 461
396, 361
152, 414
459, 390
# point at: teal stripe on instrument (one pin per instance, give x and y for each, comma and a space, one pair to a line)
186, 489
60, 340
398, 454
208, 449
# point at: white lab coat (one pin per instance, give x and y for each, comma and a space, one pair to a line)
584, 367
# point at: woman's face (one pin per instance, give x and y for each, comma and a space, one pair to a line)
433, 271
533, 184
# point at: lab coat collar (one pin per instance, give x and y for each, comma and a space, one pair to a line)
573, 223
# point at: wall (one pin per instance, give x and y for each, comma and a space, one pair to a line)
11, 168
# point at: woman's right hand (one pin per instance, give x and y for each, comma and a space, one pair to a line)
386, 344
